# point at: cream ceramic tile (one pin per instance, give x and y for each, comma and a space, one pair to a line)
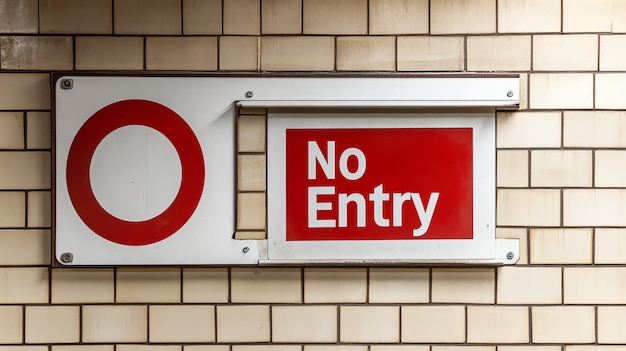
376, 324
529, 285
454, 17
561, 168
25, 170
205, 285
465, 348
398, 285
239, 53
594, 207
335, 17
612, 57
153, 17
575, 52
177, 323
11, 130
612, 324
595, 285
523, 90
245, 323
109, 53
497, 324
433, 324
560, 246
521, 234
610, 246
39, 209
399, 348
250, 235
366, 53
528, 129
52, 324
463, 285
529, 16
38, 133
24, 285
82, 348
561, 91
608, 86
44, 53
23, 348
148, 348
251, 133
12, 209
335, 347
206, 348
148, 285
267, 348
512, 168
398, 17
531, 348
11, 321
304, 53
82, 285
528, 207
294, 324
75, 16
242, 17
430, 53
24, 91
19, 16
202, 17
335, 285
110, 323
600, 129
563, 324
498, 53
251, 209
24, 247
252, 172
585, 16
181, 53
609, 168
281, 16
281, 285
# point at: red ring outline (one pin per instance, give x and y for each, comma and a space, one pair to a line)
96, 128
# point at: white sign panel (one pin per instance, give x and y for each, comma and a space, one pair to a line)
145, 166
382, 187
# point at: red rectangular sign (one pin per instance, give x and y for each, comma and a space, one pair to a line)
379, 184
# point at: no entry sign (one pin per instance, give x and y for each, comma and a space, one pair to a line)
368, 186
145, 170
379, 184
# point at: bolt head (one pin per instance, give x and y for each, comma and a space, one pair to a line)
509, 93
510, 256
249, 94
67, 257
246, 249
67, 84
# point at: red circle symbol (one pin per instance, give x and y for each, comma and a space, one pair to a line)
96, 128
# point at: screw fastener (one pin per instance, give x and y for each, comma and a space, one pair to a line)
67, 257
509, 93
249, 94
67, 84
510, 256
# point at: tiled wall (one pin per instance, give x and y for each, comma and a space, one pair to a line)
561, 179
